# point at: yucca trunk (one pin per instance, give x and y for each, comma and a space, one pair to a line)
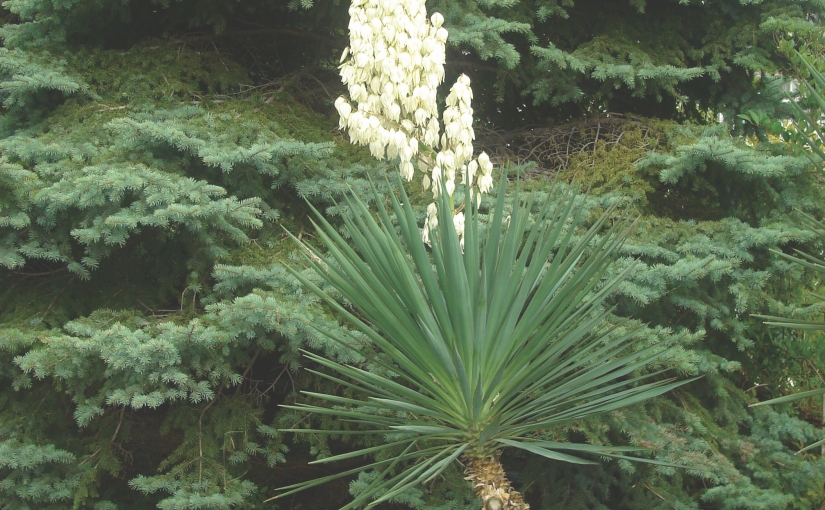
492, 486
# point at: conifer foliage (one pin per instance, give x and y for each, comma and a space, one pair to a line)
153, 152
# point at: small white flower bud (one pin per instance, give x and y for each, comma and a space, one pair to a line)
430, 44
401, 39
407, 170
377, 149
472, 167
421, 116
484, 162
414, 45
343, 107
375, 23
441, 35
405, 60
389, 33
458, 223
485, 183
395, 112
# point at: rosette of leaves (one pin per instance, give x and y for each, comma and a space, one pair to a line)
489, 346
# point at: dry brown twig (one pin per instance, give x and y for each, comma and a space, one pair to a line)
552, 148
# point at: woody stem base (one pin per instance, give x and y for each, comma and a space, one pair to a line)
492, 487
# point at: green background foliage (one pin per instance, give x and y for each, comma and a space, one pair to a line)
151, 153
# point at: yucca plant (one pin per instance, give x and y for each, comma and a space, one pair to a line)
490, 345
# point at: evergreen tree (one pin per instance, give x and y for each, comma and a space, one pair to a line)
151, 152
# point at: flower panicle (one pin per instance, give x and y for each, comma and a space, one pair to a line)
392, 69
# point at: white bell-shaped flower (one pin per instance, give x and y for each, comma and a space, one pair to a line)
458, 223
449, 186
407, 170
441, 35
485, 183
